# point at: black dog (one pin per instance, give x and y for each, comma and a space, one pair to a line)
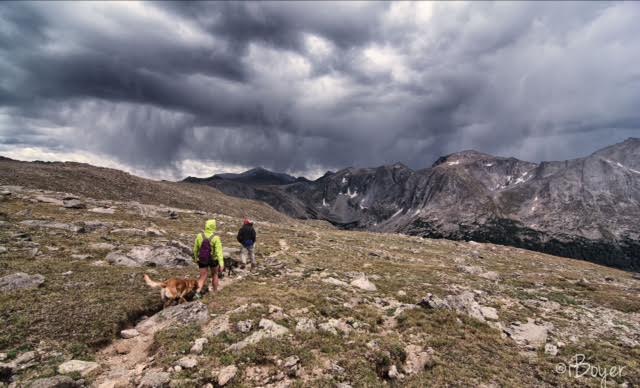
230, 264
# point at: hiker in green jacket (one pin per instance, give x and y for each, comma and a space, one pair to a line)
207, 253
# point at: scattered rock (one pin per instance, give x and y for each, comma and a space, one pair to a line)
68, 273
81, 257
73, 204
155, 379
394, 374
117, 258
432, 302
102, 210
364, 284
3, 250
25, 358
45, 199
244, 326
401, 293
335, 282
269, 329
129, 232
306, 325
227, 374
550, 349
465, 304
54, 382
20, 281
417, 359
187, 362
291, 361
334, 325
129, 333
53, 225
182, 314
101, 247
150, 256
489, 313
530, 333
198, 345
78, 366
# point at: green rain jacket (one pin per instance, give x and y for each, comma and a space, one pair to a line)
216, 244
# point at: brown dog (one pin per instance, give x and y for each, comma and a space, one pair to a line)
173, 290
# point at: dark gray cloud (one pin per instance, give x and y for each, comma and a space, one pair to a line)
169, 89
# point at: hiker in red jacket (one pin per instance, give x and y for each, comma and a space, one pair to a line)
247, 238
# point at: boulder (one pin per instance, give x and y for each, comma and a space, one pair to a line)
129, 333
244, 326
54, 382
73, 204
150, 256
530, 333
3, 250
364, 284
117, 258
268, 329
187, 362
20, 281
103, 210
432, 302
198, 345
334, 325
78, 366
227, 374
306, 325
155, 379
465, 304
550, 349
335, 282
101, 247
45, 199
182, 314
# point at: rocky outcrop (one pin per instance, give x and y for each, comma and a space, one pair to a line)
20, 281
150, 256
268, 329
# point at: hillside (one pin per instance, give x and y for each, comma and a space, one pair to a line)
326, 307
109, 184
586, 208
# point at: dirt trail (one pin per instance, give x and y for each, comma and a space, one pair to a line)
284, 247
125, 359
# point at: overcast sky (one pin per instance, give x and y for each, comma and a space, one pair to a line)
167, 90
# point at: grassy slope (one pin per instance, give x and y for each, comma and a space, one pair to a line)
77, 313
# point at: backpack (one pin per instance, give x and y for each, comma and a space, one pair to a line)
206, 249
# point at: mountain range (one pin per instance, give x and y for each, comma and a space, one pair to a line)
586, 208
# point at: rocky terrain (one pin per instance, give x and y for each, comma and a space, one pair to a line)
326, 307
585, 208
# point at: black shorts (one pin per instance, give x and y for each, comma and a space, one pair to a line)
210, 264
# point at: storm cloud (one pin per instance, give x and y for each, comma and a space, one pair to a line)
174, 89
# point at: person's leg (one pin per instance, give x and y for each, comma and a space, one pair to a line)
203, 279
252, 254
215, 281
243, 255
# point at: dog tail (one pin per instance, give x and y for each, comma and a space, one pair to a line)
151, 283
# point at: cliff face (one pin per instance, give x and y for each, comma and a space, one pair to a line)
584, 208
